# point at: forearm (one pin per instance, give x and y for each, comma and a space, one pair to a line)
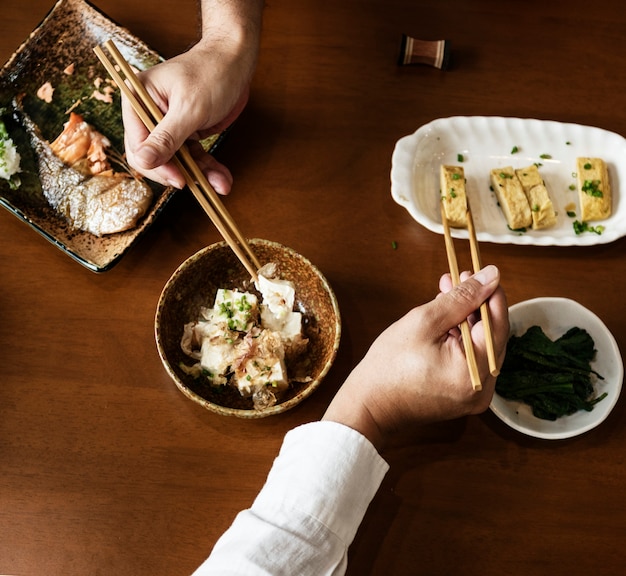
237, 22
349, 409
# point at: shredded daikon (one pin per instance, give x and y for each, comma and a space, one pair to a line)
9, 157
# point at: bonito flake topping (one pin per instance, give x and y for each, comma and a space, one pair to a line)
243, 342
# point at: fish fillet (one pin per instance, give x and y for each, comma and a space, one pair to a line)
104, 203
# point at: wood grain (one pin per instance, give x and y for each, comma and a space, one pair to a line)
108, 469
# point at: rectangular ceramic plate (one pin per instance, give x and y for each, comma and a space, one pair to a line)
489, 142
67, 37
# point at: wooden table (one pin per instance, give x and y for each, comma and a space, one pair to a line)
106, 468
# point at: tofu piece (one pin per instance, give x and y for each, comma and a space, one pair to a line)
217, 356
511, 196
594, 189
277, 312
237, 310
541, 207
288, 326
453, 195
278, 295
258, 376
262, 365
233, 312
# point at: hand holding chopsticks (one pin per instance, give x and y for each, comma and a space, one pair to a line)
151, 115
484, 308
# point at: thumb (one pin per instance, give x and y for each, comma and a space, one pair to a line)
455, 305
160, 145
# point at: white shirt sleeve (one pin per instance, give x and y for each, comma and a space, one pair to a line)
307, 514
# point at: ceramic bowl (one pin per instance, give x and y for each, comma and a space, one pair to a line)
556, 316
195, 283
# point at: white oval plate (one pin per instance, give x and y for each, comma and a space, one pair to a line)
556, 316
486, 143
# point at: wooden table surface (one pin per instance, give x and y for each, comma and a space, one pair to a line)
106, 468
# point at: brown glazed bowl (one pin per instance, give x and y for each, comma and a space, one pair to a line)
195, 283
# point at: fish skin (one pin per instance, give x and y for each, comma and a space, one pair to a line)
100, 204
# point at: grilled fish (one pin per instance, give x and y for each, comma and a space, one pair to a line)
85, 190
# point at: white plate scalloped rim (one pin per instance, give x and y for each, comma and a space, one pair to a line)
486, 143
556, 316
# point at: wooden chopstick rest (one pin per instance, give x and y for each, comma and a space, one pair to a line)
430, 52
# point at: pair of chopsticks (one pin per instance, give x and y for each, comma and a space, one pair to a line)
484, 307
151, 115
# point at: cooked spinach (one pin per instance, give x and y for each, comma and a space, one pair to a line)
553, 377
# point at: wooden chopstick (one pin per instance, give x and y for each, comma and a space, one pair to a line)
470, 355
484, 307
151, 115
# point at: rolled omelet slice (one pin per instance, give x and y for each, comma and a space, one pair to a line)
541, 207
511, 197
453, 195
594, 189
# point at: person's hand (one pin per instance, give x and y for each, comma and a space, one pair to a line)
200, 92
416, 370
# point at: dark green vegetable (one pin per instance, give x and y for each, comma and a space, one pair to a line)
553, 377
581, 227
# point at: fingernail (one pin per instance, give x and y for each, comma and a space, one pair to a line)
176, 184
216, 182
487, 275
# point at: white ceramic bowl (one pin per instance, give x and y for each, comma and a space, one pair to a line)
556, 316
